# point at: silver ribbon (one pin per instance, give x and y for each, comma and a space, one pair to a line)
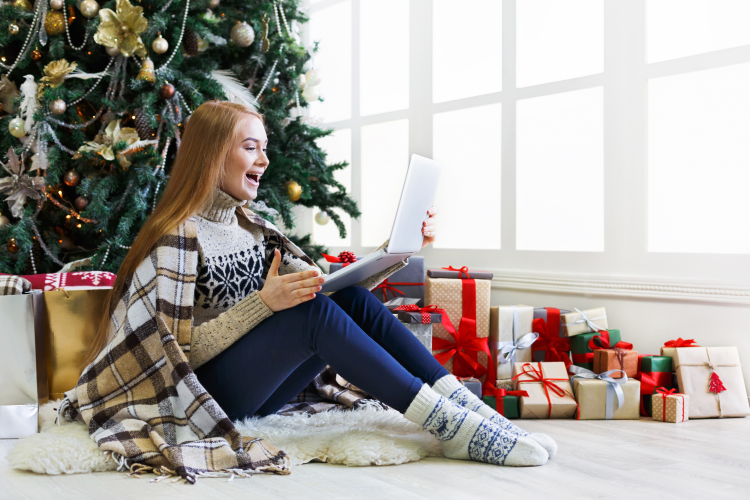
583, 317
399, 301
613, 386
508, 349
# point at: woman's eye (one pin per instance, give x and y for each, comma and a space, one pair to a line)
250, 149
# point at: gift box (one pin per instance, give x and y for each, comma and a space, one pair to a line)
712, 377
392, 304
23, 368
582, 350
580, 322
510, 337
83, 280
473, 384
419, 321
670, 346
655, 371
603, 397
548, 386
451, 273
407, 282
622, 360
505, 402
551, 344
462, 348
670, 406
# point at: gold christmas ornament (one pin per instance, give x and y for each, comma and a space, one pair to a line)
89, 8
23, 4
19, 186
71, 178
103, 143
160, 45
294, 190
167, 91
322, 218
57, 107
81, 203
36, 55
16, 127
8, 94
121, 29
212, 4
265, 44
242, 34
4, 221
54, 23
55, 72
147, 71
13, 29
12, 245
56, 4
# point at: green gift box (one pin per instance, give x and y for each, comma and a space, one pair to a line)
656, 364
579, 347
508, 405
656, 371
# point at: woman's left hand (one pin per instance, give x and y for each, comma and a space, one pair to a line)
429, 230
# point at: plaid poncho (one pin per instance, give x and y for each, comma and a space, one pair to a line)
140, 399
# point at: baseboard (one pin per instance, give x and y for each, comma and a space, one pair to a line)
620, 287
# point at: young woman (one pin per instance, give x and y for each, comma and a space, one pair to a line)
253, 348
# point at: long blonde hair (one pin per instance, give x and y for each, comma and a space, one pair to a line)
196, 174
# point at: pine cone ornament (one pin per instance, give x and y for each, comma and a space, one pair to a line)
145, 132
347, 257
191, 43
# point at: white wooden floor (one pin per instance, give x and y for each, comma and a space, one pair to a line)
634, 460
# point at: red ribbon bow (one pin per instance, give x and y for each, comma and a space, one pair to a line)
426, 311
344, 258
464, 270
389, 285
681, 343
556, 348
537, 376
671, 392
650, 381
602, 342
465, 347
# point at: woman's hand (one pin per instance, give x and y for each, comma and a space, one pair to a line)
283, 292
429, 230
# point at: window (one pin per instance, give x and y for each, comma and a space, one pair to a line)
578, 137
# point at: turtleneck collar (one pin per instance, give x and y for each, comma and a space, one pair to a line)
220, 207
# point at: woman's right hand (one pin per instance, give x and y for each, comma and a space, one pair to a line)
283, 292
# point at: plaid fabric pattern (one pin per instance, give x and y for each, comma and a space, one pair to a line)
13, 285
140, 399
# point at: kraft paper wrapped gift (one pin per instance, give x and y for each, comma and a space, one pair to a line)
23, 368
616, 359
406, 282
511, 337
551, 342
583, 354
586, 321
536, 379
447, 294
601, 397
670, 406
695, 365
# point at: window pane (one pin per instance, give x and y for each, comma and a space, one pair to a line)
452, 62
385, 157
332, 27
384, 56
467, 144
558, 40
698, 157
680, 28
560, 172
338, 147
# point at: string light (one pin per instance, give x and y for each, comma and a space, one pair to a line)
70, 211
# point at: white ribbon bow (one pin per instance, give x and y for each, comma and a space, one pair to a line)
508, 350
613, 386
583, 317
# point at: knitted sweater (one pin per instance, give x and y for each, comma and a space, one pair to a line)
234, 255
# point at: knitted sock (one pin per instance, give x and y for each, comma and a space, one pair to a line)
449, 387
465, 435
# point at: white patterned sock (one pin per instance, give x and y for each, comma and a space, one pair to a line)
449, 387
465, 435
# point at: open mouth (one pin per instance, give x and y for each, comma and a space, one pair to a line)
254, 179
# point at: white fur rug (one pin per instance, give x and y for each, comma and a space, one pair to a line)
355, 438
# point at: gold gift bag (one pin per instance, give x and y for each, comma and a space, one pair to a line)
71, 318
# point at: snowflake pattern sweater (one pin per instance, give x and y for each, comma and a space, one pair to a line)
234, 255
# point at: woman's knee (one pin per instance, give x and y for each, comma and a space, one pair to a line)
352, 294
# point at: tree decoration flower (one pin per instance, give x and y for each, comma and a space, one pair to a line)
121, 29
56, 71
19, 185
103, 144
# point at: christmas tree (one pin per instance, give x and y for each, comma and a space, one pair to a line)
95, 97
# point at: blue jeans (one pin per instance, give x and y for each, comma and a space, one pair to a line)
351, 331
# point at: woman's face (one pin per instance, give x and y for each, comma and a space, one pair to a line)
247, 160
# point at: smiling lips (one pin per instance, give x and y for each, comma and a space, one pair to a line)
253, 179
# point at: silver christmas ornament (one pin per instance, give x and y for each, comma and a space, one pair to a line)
16, 127
89, 8
56, 4
322, 218
160, 45
242, 34
57, 107
4, 221
312, 77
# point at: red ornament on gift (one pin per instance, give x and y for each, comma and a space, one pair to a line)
716, 385
347, 257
